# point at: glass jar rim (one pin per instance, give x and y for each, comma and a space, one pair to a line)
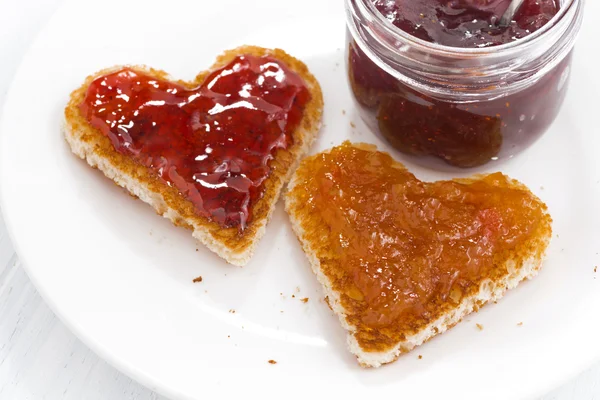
440, 49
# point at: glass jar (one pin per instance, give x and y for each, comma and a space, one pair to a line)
466, 106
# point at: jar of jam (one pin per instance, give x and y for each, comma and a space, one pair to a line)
442, 79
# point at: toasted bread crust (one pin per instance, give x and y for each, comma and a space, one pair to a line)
374, 347
234, 246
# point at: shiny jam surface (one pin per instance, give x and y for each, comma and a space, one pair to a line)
463, 134
399, 248
466, 23
213, 142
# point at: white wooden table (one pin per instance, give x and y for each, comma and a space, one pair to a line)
39, 357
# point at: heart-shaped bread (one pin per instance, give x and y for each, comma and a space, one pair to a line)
211, 155
403, 260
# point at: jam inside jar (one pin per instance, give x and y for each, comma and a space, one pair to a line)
437, 78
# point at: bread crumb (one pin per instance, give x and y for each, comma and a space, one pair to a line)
520, 324
205, 291
198, 279
541, 188
229, 336
479, 326
281, 311
420, 357
272, 362
196, 249
352, 124
343, 112
304, 300
596, 268
232, 311
293, 296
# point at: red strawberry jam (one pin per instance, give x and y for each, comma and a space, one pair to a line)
213, 142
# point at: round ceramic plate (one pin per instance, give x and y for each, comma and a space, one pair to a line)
121, 277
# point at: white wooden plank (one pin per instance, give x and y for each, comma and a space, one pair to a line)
40, 358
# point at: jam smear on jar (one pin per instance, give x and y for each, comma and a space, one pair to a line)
463, 134
213, 142
402, 251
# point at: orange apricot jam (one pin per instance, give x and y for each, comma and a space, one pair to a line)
401, 252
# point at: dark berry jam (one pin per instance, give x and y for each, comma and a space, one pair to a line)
466, 23
462, 133
214, 142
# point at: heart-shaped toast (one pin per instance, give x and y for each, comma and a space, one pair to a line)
403, 260
212, 154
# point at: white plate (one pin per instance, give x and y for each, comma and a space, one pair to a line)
121, 278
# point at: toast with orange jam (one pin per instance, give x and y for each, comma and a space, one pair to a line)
402, 260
